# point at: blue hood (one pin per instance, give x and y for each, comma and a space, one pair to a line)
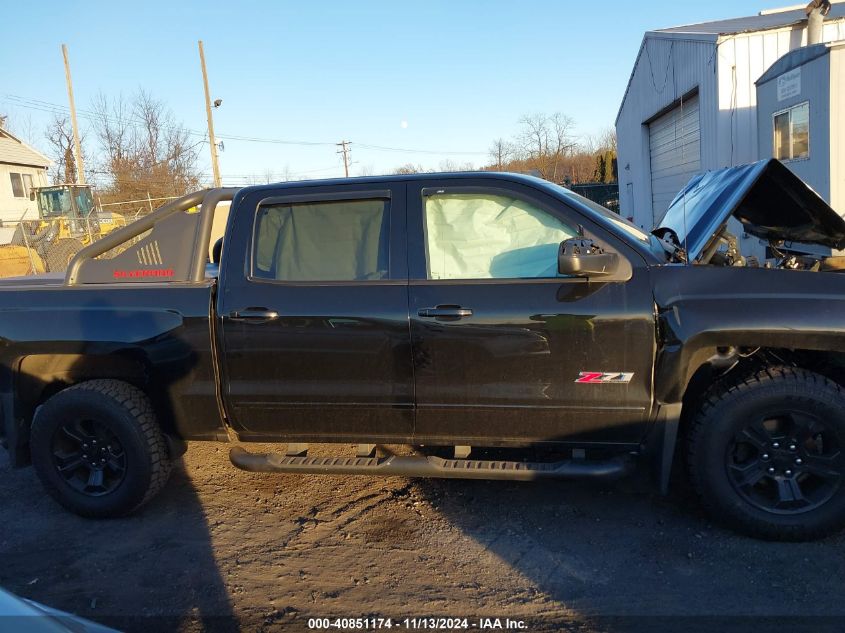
769, 200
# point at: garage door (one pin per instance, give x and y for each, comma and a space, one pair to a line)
675, 149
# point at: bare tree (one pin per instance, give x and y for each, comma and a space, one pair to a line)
608, 138
545, 141
287, 175
501, 152
143, 150
409, 168
604, 141
21, 126
546, 146
450, 165
59, 135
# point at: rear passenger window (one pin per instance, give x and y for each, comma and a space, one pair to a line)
326, 241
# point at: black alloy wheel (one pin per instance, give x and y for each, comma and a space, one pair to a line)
89, 457
786, 463
98, 449
766, 453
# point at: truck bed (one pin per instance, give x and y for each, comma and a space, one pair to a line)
154, 335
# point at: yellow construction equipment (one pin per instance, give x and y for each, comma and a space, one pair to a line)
17, 261
67, 221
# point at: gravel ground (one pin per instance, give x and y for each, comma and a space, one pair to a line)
222, 549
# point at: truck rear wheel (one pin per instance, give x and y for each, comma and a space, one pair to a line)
98, 449
767, 454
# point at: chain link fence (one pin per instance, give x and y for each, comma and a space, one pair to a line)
605, 194
47, 245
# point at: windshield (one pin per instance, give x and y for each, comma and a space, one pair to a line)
60, 201
54, 202
621, 223
84, 200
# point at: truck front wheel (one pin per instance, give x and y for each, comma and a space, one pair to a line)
98, 449
767, 454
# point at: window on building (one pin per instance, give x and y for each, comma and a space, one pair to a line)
792, 132
27, 186
17, 185
325, 241
489, 236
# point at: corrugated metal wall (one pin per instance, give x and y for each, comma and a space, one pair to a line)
670, 65
837, 130
815, 89
675, 148
667, 69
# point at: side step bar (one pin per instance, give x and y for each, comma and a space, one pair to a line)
421, 466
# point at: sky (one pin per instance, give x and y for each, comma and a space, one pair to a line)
437, 80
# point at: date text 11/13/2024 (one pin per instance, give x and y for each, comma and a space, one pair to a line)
430, 623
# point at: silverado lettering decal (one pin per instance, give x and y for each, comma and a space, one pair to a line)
133, 274
601, 378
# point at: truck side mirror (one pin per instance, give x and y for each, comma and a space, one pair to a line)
583, 258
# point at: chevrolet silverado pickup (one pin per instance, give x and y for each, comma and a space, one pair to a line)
492, 325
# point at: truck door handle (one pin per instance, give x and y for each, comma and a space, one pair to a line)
254, 314
454, 312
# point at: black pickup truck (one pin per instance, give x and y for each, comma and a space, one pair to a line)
495, 325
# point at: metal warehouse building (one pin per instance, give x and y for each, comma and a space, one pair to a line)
691, 102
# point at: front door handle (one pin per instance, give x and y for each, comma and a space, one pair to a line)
454, 312
254, 314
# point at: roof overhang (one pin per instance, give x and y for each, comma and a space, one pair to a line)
657, 35
18, 164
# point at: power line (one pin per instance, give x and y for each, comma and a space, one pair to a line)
53, 108
91, 115
419, 151
307, 171
253, 139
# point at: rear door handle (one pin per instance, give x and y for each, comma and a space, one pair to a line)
454, 312
253, 314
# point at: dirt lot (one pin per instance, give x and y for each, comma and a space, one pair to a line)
221, 549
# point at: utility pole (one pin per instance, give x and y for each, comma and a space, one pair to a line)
215, 168
344, 149
80, 167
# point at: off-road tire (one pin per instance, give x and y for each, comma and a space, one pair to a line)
723, 413
34, 235
127, 413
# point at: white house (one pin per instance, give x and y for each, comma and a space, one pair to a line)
21, 169
691, 101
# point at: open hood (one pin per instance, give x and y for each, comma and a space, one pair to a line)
769, 200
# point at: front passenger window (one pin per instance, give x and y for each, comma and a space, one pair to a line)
485, 236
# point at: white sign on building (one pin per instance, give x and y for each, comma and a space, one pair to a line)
789, 85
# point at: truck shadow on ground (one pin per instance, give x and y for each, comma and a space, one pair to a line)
621, 557
152, 571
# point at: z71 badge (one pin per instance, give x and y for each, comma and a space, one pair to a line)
602, 378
